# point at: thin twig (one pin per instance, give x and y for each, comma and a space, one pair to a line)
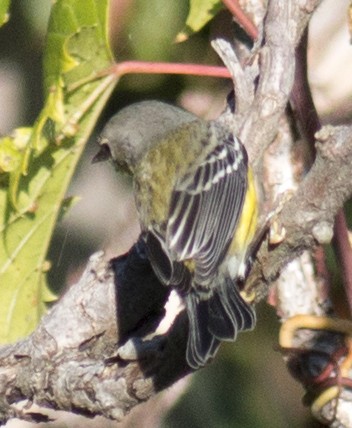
243, 87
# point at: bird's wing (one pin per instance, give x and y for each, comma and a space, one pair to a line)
205, 207
169, 272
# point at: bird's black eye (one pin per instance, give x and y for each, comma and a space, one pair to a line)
103, 154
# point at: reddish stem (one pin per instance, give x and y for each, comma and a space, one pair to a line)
301, 98
241, 18
141, 67
322, 269
344, 252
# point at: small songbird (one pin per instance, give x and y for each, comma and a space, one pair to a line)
197, 206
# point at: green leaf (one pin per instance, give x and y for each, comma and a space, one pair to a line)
12, 149
200, 13
36, 174
4, 11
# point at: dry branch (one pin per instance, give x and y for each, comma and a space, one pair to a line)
73, 360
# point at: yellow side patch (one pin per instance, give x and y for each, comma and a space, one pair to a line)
248, 221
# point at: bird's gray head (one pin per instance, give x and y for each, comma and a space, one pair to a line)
135, 129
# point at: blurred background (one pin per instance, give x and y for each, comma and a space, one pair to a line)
247, 385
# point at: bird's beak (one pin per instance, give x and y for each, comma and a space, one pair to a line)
103, 154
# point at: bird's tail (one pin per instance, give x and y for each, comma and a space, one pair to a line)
202, 344
218, 318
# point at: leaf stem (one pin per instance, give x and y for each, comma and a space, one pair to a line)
141, 67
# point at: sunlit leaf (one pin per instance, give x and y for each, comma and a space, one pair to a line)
35, 178
200, 13
4, 11
12, 148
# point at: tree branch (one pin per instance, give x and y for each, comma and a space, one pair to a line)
82, 366
308, 216
283, 28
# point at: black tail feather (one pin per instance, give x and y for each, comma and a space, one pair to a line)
216, 319
246, 314
228, 312
202, 345
222, 322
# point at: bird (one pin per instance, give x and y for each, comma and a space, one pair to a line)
197, 206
